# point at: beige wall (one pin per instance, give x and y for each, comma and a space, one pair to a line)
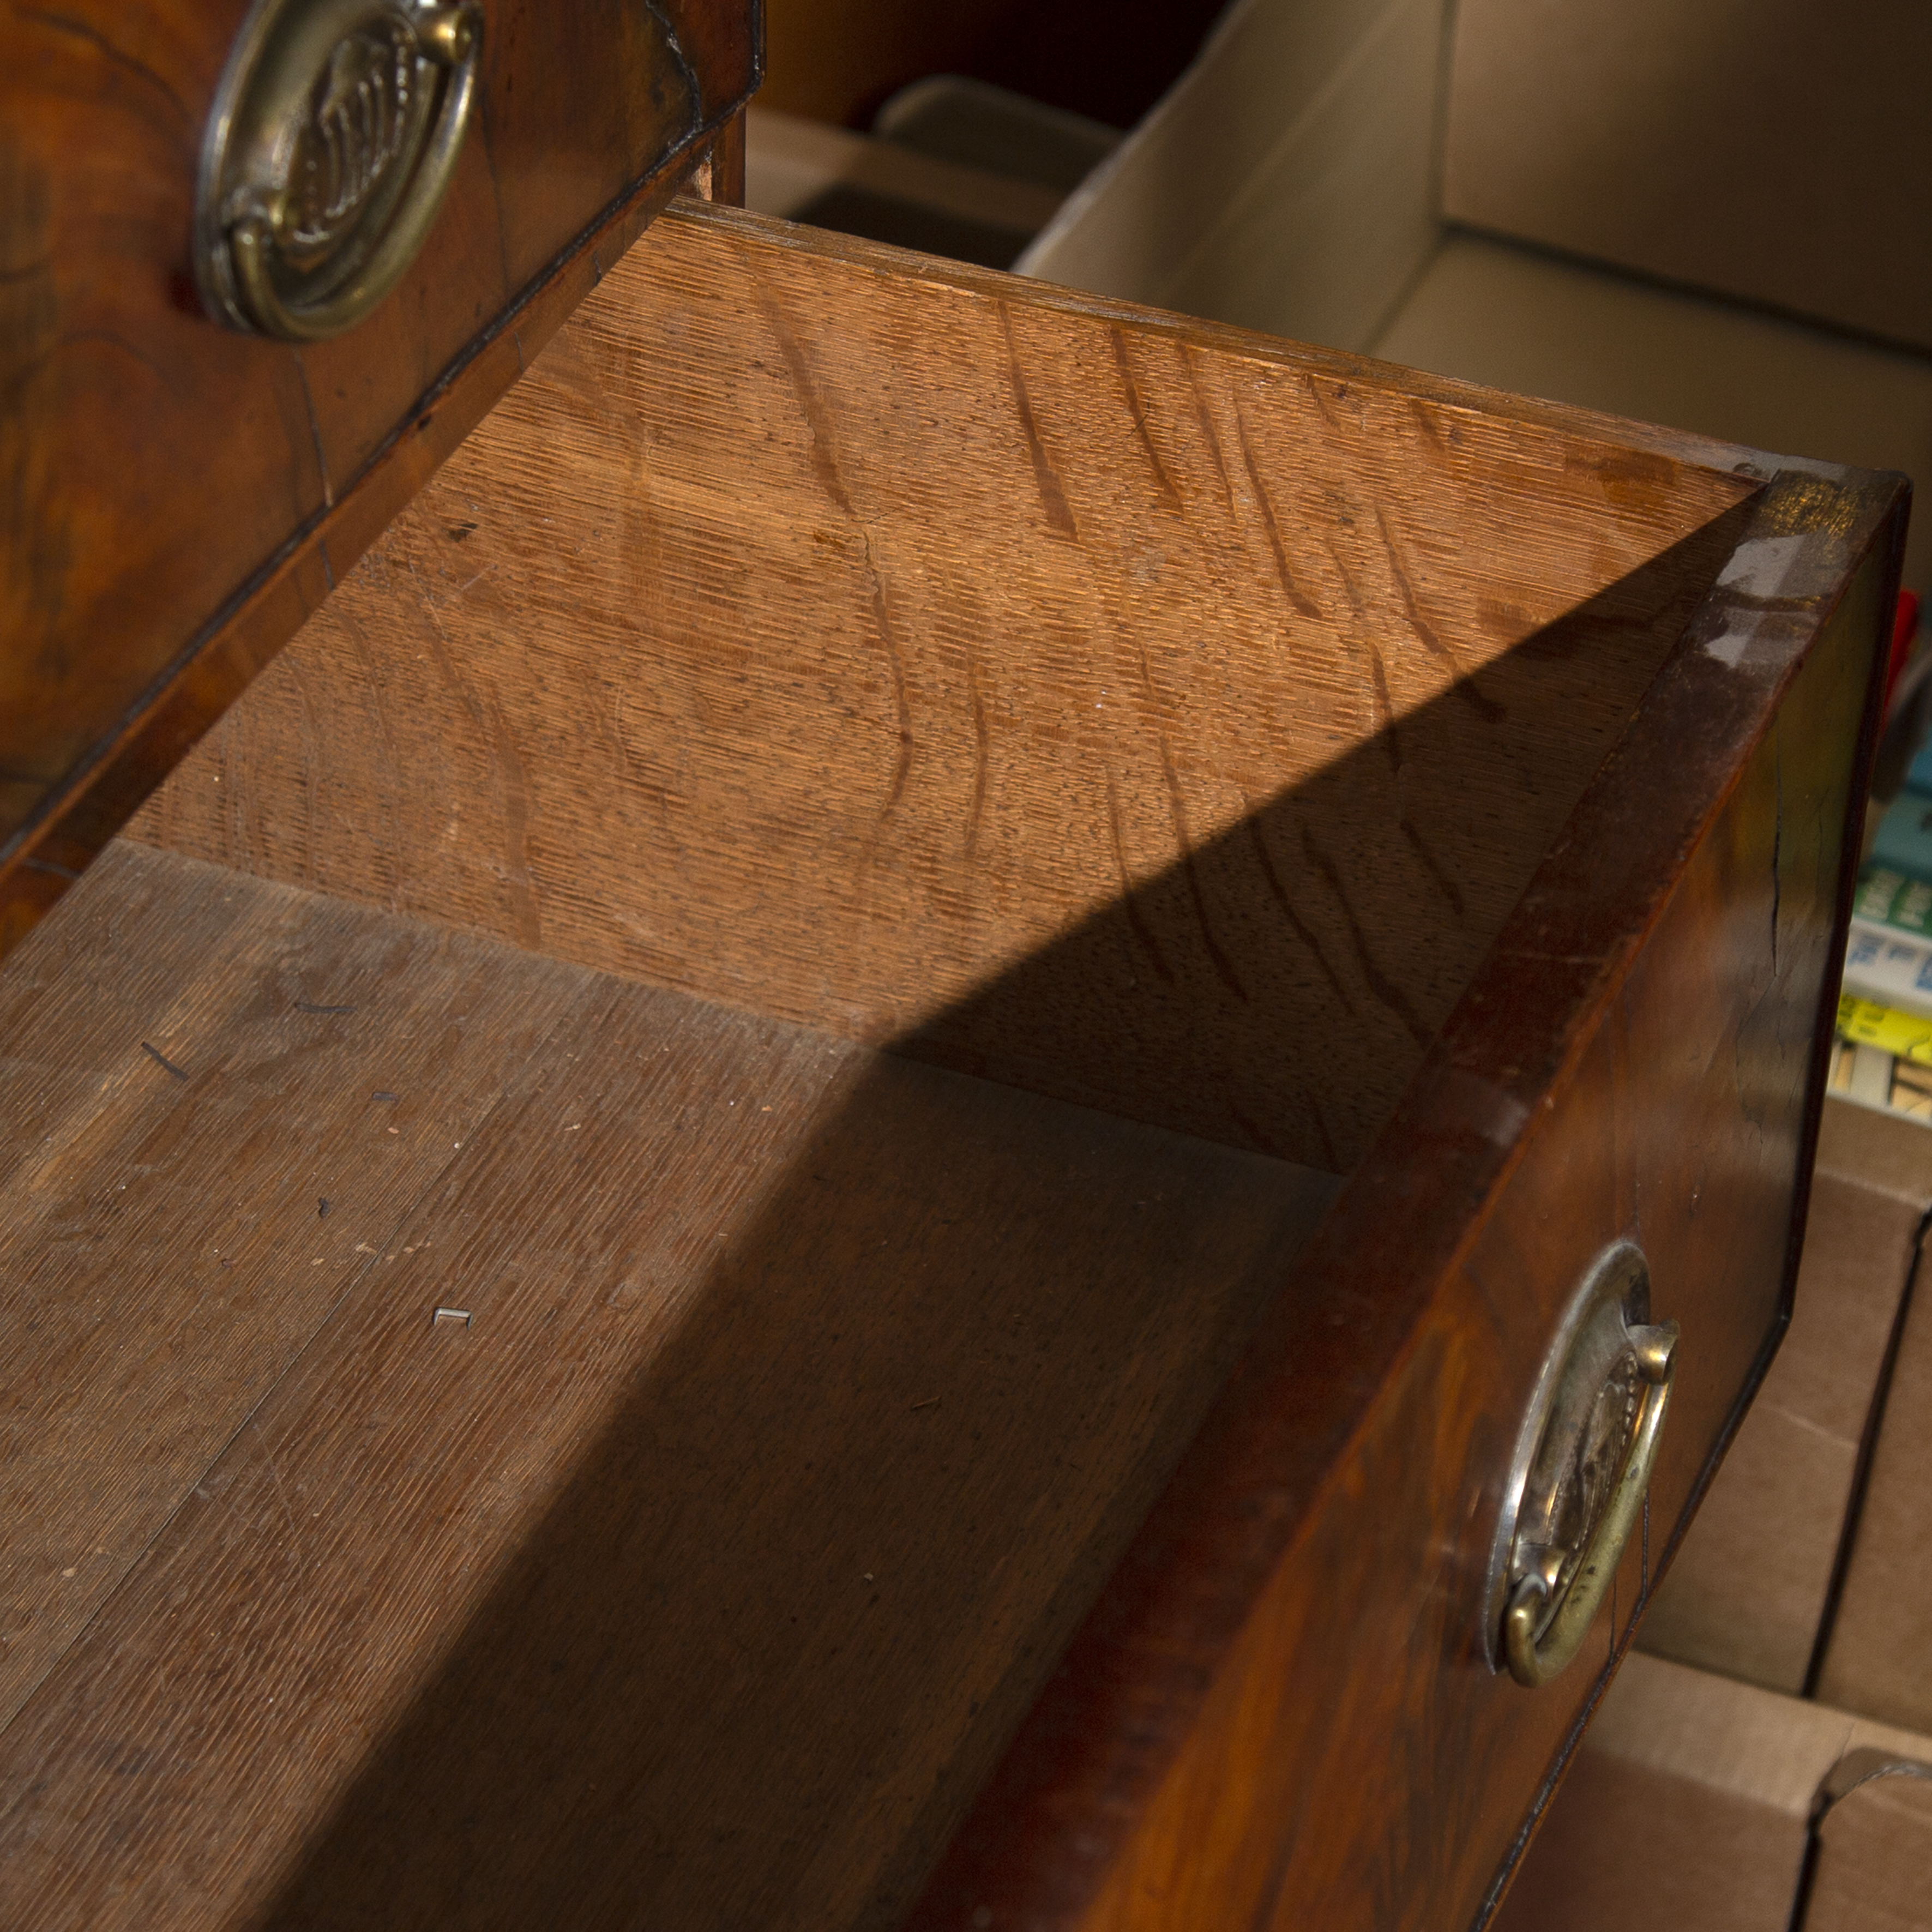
1779, 150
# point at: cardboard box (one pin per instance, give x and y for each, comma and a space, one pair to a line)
1749, 1590
1709, 143
1878, 1661
1697, 1804
1700, 1803
1323, 170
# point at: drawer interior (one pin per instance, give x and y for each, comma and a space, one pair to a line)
621, 1203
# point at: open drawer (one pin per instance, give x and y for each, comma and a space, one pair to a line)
818, 1178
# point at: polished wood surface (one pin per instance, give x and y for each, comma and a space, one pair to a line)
1510, 744
752, 652
177, 496
622, 1598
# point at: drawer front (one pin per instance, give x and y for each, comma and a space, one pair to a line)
1299, 1722
165, 474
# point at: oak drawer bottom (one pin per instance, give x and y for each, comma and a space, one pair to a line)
513, 1447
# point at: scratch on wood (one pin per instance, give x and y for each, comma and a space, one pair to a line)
492, 729
1224, 967
486, 131
275, 1474
1291, 590
127, 62
344, 615
817, 422
315, 436
1313, 383
1331, 1152
825, 466
1297, 925
161, 1059
1053, 498
1384, 988
1386, 730
1130, 895
517, 815
976, 804
1255, 1138
1464, 687
1205, 419
1137, 409
1433, 867
882, 621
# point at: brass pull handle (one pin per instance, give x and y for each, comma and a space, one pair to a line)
334, 138
1581, 1468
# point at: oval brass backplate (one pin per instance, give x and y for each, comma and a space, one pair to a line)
1577, 1481
334, 137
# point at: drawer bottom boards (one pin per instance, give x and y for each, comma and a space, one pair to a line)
816, 1180
519, 1447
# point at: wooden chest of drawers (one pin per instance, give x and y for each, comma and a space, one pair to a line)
820, 1176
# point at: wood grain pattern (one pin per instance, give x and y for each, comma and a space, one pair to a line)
1278, 1713
629, 1596
176, 496
827, 634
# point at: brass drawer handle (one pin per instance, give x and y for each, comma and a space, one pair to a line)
335, 135
1582, 1465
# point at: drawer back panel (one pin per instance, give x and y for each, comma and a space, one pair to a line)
1152, 715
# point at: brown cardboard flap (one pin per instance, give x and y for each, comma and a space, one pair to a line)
1879, 1658
1873, 1866
1688, 1808
1747, 1593
1883, 1152
1780, 150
